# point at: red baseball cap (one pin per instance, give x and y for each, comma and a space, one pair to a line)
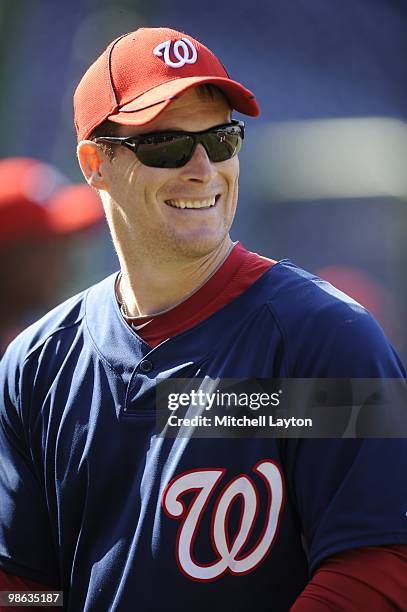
140, 73
36, 201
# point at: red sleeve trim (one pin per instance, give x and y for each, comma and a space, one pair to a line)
371, 578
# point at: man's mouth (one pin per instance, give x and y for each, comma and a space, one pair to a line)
204, 203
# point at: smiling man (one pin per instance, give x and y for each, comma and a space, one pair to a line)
93, 501
170, 225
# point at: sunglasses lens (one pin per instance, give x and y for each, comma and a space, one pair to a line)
223, 144
166, 151
175, 150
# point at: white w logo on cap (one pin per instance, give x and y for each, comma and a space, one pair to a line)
183, 50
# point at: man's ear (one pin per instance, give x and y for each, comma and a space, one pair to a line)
93, 164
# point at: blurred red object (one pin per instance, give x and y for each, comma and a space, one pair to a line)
35, 201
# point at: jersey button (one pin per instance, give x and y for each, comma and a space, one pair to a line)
146, 366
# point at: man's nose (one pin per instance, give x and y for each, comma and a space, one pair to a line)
199, 168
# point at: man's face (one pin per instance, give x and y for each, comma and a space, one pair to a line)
141, 202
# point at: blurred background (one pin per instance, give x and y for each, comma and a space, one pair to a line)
323, 170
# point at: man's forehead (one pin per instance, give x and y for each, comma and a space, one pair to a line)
196, 104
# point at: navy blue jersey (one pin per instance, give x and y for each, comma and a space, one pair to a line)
93, 502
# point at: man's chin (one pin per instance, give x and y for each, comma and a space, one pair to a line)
199, 246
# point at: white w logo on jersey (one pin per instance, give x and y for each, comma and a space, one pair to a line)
183, 50
229, 557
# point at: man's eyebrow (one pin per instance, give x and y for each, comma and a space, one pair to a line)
173, 129
155, 131
164, 131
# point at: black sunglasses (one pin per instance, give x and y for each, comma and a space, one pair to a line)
175, 149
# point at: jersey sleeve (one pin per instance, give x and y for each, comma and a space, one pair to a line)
341, 340
349, 494
352, 492
26, 543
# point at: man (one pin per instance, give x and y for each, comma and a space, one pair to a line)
40, 214
121, 518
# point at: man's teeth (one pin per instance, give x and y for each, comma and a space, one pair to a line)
195, 204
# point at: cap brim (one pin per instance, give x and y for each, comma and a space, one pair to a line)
74, 208
149, 105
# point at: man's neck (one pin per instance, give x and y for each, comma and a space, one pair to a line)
147, 289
